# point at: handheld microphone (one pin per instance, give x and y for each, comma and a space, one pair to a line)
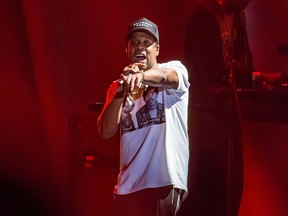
120, 82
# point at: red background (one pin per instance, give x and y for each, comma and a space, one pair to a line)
58, 56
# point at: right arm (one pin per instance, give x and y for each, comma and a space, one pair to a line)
109, 119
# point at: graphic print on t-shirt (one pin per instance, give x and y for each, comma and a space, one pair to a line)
152, 112
126, 117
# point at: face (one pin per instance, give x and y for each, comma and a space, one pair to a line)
142, 48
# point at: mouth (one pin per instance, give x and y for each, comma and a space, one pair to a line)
140, 58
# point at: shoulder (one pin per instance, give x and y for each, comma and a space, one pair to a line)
175, 64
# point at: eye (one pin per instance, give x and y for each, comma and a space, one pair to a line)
147, 43
133, 42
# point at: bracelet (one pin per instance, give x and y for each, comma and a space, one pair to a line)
143, 76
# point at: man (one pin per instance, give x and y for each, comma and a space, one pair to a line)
219, 60
153, 156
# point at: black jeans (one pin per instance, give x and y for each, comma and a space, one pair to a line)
164, 201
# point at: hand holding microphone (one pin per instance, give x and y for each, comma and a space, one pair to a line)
132, 78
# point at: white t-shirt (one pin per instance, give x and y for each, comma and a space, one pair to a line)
154, 148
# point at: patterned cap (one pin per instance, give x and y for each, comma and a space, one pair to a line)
143, 24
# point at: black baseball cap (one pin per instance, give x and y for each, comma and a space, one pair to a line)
145, 25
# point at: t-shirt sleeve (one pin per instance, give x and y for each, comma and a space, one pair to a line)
182, 73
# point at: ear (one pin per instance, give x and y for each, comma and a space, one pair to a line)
157, 49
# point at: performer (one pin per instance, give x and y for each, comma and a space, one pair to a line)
154, 149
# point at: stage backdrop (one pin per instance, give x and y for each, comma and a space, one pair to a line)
59, 56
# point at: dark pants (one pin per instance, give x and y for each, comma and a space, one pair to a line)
164, 201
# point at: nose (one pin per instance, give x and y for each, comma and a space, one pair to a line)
140, 46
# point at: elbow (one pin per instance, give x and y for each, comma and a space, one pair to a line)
169, 83
164, 80
170, 79
106, 135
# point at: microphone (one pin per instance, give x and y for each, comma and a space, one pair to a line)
120, 82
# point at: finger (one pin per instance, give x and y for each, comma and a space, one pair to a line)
138, 82
139, 64
127, 71
128, 79
134, 68
132, 82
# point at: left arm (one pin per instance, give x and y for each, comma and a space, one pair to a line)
166, 77
155, 77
